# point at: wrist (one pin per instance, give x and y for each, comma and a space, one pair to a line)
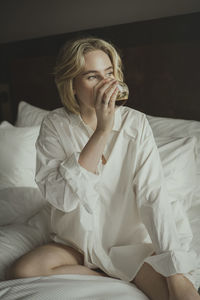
102, 132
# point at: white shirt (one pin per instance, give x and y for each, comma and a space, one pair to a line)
120, 216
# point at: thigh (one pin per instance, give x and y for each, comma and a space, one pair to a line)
151, 283
50, 256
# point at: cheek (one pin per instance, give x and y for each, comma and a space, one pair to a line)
83, 90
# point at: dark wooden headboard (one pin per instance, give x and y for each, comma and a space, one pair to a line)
161, 65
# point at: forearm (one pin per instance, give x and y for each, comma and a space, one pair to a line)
93, 150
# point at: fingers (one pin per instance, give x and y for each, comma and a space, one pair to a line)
113, 98
106, 93
99, 89
109, 94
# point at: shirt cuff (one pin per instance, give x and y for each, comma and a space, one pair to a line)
80, 180
173, 262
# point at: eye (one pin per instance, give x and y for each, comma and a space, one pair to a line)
92, 77
110, 74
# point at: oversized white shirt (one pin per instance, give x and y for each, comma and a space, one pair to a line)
119, 216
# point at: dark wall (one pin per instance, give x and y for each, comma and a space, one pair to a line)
161, 60
179, 28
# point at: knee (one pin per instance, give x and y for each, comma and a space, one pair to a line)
35, 263
19, 270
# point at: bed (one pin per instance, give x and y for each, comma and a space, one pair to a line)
25, 215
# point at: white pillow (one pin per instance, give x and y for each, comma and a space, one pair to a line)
29, 115
174, 127
177, 128
179, 165
18, 239
18, 204
17, 155
180, 128
5, 124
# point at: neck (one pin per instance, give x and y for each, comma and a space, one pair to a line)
89, 117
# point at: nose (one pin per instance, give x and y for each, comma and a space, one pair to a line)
107, 77
103, 77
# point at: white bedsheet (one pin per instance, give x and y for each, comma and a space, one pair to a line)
68, 287
76, 286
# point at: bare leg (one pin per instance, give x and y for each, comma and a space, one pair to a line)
151, 283
157, 287
50, 259
180, 288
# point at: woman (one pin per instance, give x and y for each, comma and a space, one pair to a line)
99, 168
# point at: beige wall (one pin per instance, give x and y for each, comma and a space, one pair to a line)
25, 19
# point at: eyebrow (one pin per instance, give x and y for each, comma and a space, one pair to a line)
94, 71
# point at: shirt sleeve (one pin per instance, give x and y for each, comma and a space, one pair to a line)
63, 182
155, 210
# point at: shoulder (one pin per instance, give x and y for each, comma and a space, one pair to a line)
55, 122
58, 118
57, 115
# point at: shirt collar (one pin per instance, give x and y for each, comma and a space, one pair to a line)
76, 120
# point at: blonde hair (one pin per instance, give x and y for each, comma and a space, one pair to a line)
70, 62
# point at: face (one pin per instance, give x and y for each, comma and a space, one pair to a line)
97, 67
